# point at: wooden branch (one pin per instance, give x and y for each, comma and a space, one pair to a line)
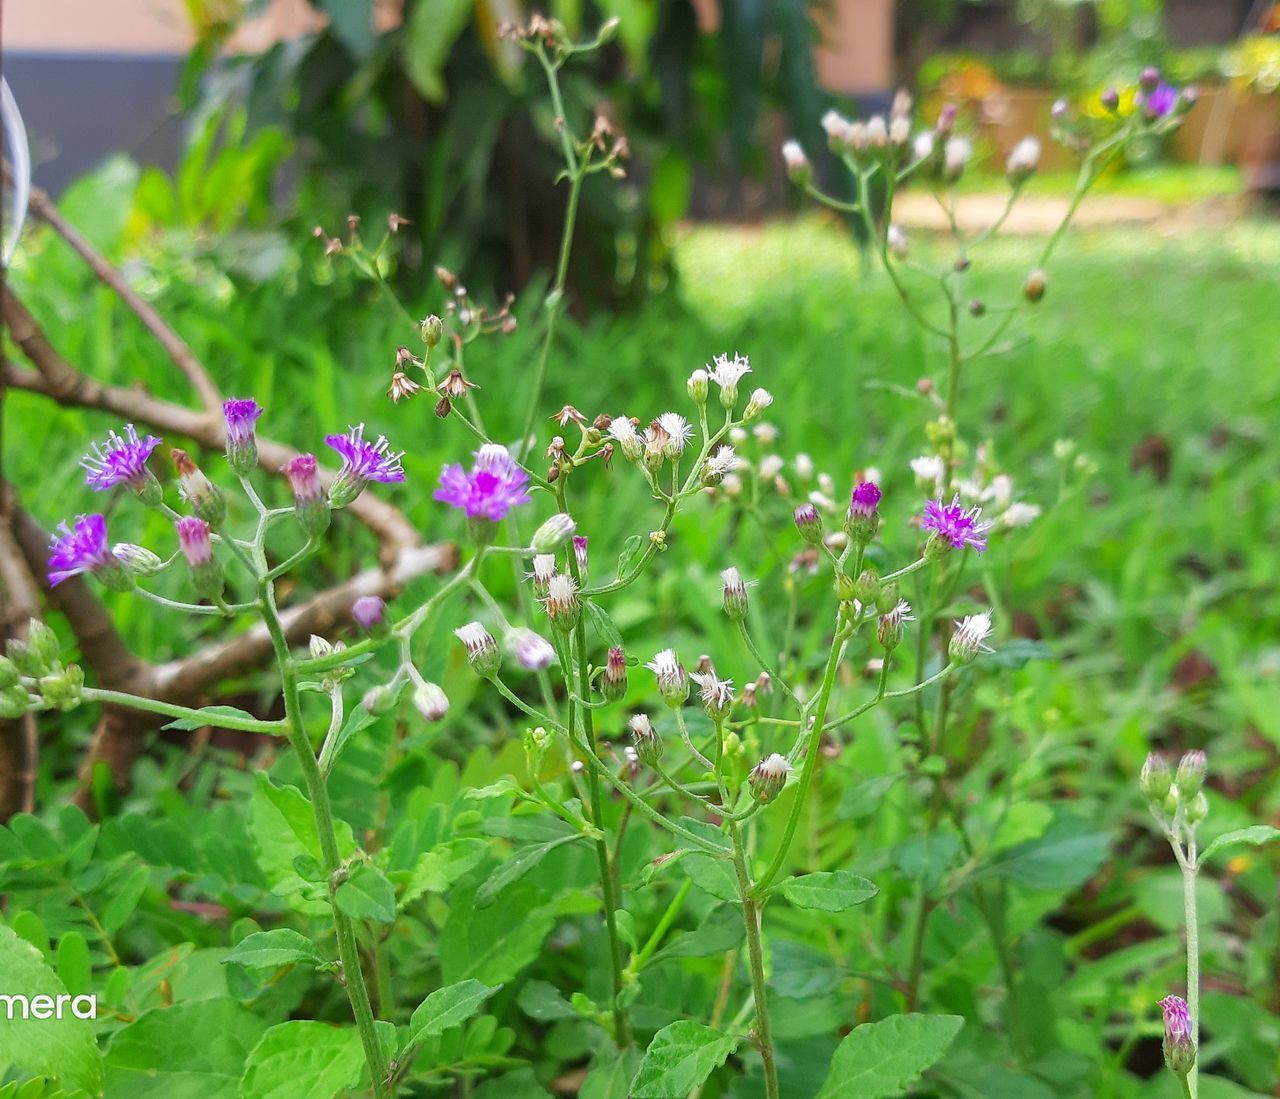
19, 744
183, 357
56, 378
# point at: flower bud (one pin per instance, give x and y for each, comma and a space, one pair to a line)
627, 437
673, 680
734, 595
61, 690
1111, 100
715, 693
137, 560
1033, 289
544, 568
582, 556
760, 400
532, 651
862, 520
799, 170
430, 701
205, 500
888, 598
769, 776
23, 659
562, 604
809, 523
648, 745
699, 386
866, 588
240, 416
9, 674
13, 703
43, 645
1155, 779
955, 157
877, 132
553, 533
1191, 769
482, 650
899, 131
970, 637
197, 548
369, 612
1149, 79
310, 507
1179, 1046
1023, 160
379, 700
431, 330
1195, 809
893, 625
613, 681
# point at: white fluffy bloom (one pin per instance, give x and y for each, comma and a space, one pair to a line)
803, 465
678, 433
766, 434
922, 147
770, 466
899, 131
836, 127
760, 400
721, 462
1024, 159
1019, 515
929, 469
727, 372
738, 435
970, 637
627, 437
956, 154
877, 131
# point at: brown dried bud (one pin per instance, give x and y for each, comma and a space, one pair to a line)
443, 407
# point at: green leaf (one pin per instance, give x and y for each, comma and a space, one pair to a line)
125, 899
603, 624
428, 37
1068, 853
303, 1060
190, 723
75, 969
517, 867
713, 875
631, 549
610, 1074
61, 1048
283, 827
273, 949
828, 891
190, 1051
352, 22
367, 895
357, 721
1256, 836
881, 1059
680, 1057
449, 1006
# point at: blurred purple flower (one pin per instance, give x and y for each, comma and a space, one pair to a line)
1160, 101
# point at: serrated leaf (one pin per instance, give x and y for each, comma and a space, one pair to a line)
517, 867
680, 1058
880, 1059
603, 624
713, 875
273, 949
189, 1051
610, 1074
447, 1007
367, 895
1254, 836
283, 827
828, 891
303, 1060
62, 1048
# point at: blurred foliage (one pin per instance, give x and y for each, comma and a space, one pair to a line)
1255, 63
434, 117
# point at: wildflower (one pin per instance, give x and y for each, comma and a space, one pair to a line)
430, 701
310, 507
73, 551
123, 461
241, 416
955, 156
719, 465
877, 131
455, 386
544, 568
803, 466
205, 500
581, 555
197, 548
698, 387
677, 433
1158, 100
1110, 99
648, 745
1149, 78
769, 776
837, 128
1019, 515
493, 487
896, 239
734, 594
137, 560
482, 650
760, 400
766, 434
562, 604
929, 470
716, 694
1191, 769
899, 131
613, 682
1179, 1044
1023, 160
431, 330
809, 523
893, 625
953, 527
970, 638
627, 437
553, 533
1155, 779
369, 613
402, 386
923, 145
862, 519
799, 170
362, 462
673, 680
770, 466
532, 651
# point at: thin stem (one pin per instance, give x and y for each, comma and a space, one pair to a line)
755, 959
642, 956
192, 608
1190, 870
214, 718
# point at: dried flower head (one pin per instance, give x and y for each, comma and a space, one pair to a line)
402, 386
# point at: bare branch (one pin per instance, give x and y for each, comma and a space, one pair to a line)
183, 357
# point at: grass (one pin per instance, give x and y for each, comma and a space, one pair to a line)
1174, 184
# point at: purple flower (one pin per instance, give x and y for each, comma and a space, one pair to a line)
493, 487
1177, 1020
193, 537
84, 549
120, 461
955, 526
241, 415
362, 462
369, 612
1160, 101
865, 498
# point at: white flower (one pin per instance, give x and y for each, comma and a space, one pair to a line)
532, 651
899, 131
955, 156
929, 469
1024, 159
827, 484
721, 462
1019, 515
760, 400
770, 466
793, 157
727, 372
678, 433
1000, 491
803, 466
970, 637
922, 147
628, 439
877, 131
822, 501
836, 127
430, 701
731, 485
673, 680
766, 434
716, 694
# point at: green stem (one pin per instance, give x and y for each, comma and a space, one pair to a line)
205, 717
755, 958
640, 959
348, 949
1190, 870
